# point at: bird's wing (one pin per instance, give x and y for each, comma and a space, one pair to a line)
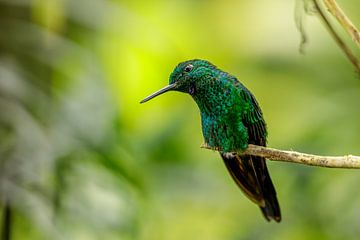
256, 126
244, 169
253, 120
250, 172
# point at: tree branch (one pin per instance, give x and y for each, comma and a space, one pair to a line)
339, 14
348, 161
337, 38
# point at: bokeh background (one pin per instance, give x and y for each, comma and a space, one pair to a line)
80, 158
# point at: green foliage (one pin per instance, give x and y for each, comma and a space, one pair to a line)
80, 158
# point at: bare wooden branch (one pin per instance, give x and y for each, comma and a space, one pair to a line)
339, 14
337, 38
347, 161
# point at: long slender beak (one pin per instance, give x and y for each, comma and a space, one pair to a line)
161, 91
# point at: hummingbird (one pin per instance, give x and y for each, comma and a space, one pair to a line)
231, 119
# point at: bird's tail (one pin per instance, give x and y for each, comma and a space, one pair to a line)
272, 207
251, 175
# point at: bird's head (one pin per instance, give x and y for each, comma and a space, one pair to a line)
186, 77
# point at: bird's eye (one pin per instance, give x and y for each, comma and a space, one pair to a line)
188, 68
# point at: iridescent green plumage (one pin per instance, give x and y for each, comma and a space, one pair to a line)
231, 119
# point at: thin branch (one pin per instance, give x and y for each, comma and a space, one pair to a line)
337, 38
339, 14
348, 161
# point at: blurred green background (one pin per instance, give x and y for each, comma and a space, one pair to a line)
80, 158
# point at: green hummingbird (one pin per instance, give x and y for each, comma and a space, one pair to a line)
231, 119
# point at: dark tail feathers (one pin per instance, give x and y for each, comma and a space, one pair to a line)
251, 175
272, 208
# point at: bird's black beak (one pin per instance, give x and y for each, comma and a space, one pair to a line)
161, 91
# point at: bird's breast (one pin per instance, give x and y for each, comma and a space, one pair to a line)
225, 132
